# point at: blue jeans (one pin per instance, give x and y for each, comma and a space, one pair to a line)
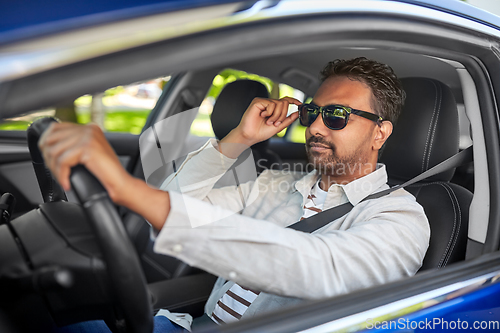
161, 325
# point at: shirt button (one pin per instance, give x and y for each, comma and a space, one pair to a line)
178, 319
177, 248
232, 275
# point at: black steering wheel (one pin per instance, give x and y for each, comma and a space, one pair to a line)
127, 281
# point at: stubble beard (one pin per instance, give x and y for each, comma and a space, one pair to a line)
330, 163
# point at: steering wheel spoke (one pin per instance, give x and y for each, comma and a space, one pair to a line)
127, 281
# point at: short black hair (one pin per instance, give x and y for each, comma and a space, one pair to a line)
386, 88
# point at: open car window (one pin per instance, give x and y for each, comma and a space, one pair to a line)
201, 126
122, 109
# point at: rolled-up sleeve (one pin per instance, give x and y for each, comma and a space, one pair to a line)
383, 243
379, 241
198, 174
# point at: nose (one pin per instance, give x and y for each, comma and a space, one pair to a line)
318, 127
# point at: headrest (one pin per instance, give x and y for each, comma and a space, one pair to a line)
426, 133
232, 103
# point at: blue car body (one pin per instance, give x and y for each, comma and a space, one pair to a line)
24, 19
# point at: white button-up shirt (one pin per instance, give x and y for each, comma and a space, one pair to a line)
239, 234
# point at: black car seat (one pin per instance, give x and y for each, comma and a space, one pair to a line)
427, 133
228, 109
167, 275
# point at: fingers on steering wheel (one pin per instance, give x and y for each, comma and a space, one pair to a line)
62, 149
65, 161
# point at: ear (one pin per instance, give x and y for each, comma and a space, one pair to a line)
382, 133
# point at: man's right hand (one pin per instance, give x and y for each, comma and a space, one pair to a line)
65, 145
262, 119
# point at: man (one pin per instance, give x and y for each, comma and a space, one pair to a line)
263, 265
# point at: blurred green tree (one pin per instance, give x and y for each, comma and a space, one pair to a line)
229, 75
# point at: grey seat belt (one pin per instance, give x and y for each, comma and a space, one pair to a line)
321, 219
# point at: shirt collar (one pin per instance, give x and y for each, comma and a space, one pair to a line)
362, 187
355, 191
305, 184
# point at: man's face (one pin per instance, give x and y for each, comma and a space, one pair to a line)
342, 152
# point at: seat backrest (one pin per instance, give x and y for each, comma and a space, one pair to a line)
427, 133
228, 110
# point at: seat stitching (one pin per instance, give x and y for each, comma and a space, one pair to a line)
457, 204
440, 95
455, 232
443, 257
429, 131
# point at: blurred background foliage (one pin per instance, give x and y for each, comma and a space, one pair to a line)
126, 108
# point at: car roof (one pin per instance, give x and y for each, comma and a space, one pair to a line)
459, 8
20, 19
23, 19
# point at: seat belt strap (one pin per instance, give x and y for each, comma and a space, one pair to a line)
321, 219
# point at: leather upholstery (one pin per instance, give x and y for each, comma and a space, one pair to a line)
447, 208
230, 106
232, 103
427, 133
49, 187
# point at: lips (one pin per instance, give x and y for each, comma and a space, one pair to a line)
318, 148
318, 144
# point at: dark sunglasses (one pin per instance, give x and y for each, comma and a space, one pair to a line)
335, 117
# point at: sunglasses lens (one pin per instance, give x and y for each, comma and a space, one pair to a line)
335, 117
308, 114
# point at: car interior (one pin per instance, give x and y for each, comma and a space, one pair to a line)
442, 116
